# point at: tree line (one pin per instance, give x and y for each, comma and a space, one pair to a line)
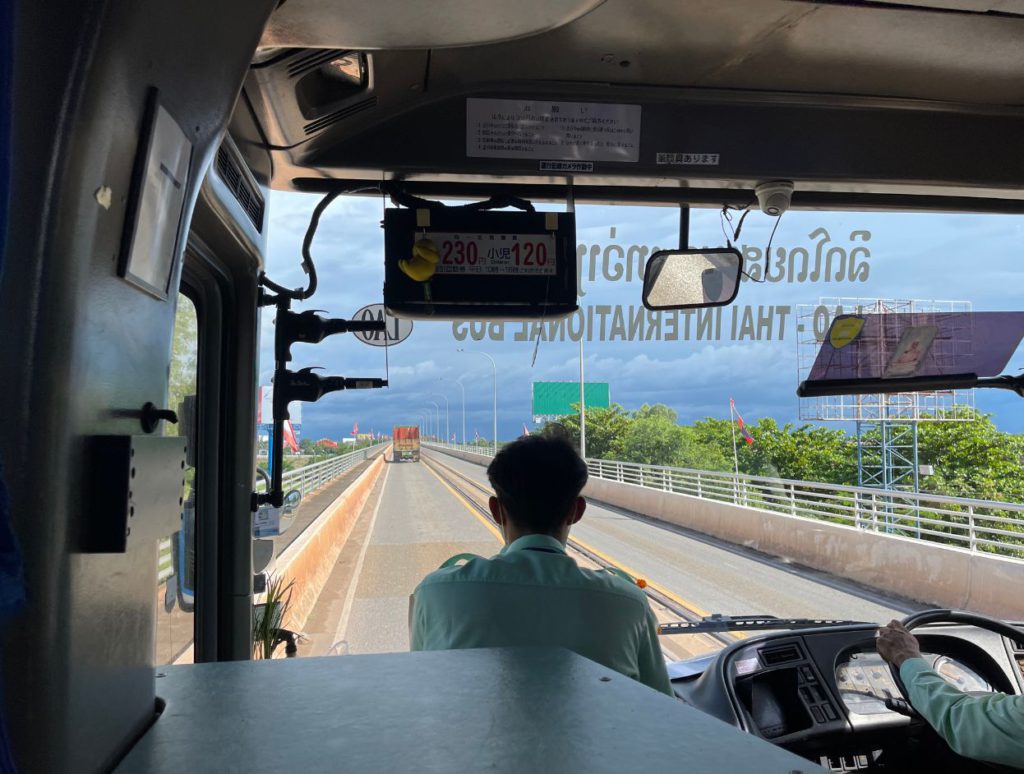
971, 458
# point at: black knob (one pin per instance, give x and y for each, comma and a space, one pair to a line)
150, 417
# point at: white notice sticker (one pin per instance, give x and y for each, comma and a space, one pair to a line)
532, 129
516, 254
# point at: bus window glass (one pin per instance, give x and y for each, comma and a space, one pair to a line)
709, 393
176, 569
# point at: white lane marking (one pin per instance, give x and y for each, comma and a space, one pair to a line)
346, 608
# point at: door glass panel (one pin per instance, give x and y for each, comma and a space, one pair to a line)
176, 568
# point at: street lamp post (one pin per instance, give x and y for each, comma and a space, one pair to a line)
437, 418
494, 368
463, 388
447, 429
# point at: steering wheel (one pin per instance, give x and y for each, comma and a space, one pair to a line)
924, 617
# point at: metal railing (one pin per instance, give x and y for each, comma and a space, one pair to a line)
486, 450
309, 478
979, 525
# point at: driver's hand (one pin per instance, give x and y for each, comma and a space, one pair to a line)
896, 644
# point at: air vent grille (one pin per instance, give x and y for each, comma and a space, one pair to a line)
339, 115
247, 195
781, 655
313, 59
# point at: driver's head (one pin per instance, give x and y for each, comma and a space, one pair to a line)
537, 482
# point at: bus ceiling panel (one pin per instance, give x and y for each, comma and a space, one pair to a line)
689, 142
405, 24
969, 51
769, 45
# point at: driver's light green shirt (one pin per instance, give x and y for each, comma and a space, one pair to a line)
987, 728
532, 593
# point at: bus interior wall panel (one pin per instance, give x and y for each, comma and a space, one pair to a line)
87, 347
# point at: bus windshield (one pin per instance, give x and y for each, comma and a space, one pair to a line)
698, 402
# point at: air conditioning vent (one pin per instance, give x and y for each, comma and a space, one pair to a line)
244, 190
312, 59
782, 655
338, 115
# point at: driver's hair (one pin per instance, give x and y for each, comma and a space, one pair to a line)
537, 479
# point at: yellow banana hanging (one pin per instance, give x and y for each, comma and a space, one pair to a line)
423, 263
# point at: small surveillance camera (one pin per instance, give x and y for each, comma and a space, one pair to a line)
774, 196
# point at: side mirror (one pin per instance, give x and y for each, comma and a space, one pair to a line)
291, 501
692, 279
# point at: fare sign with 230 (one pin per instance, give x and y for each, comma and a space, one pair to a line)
510, 254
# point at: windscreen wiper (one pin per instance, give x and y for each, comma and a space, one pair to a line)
737, 623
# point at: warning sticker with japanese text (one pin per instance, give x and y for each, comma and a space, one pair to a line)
531, 129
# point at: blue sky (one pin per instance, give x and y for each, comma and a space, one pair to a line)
974, 258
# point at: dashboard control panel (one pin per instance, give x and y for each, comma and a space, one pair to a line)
865, 681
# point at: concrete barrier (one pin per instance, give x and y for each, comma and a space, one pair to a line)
309, 560
930, 573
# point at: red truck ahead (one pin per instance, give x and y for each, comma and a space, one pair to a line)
405, 442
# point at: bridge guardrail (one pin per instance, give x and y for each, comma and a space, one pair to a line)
309, 478
978, 525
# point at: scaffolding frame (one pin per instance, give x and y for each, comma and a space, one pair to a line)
886, 423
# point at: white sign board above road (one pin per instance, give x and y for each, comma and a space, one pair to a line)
395, 332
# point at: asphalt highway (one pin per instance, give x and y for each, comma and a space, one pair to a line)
420, 520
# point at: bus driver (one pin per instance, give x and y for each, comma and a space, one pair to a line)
532, 592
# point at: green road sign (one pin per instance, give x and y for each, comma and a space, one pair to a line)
556, 399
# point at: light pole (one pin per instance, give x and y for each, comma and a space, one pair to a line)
495, 371
437, 418
463, 388
583, 407
447, 430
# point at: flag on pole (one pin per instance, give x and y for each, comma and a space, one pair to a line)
355, 428
739, 423
289, 436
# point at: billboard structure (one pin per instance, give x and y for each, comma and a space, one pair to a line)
556, 399
886, 423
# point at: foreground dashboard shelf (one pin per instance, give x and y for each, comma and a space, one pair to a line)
498, 710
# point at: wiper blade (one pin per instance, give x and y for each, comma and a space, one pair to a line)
737, 623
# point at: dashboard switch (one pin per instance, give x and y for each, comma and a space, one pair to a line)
830, 713
818, 716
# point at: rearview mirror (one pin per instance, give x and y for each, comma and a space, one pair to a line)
292, 500
692, 279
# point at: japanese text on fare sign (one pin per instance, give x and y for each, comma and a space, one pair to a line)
510, 254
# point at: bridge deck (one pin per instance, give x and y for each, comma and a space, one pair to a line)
415, 520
